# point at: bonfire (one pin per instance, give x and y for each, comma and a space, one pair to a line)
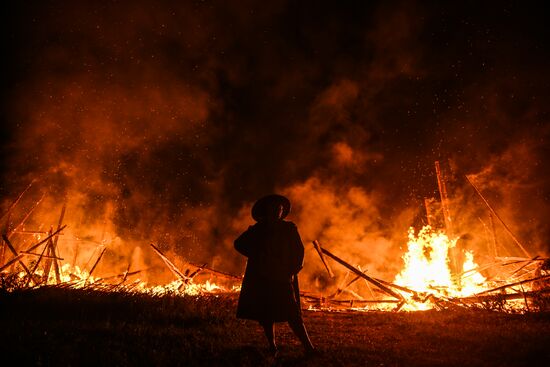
436, 273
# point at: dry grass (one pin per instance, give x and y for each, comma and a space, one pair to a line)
71, 328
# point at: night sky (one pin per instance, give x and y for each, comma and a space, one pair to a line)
180, 114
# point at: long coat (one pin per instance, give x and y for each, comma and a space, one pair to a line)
275, 254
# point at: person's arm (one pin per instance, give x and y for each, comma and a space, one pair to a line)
297, 250
245, 242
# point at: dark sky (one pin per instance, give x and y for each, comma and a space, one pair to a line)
180, 106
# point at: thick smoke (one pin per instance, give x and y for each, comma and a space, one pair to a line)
163, 122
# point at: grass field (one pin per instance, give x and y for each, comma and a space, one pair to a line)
59, 327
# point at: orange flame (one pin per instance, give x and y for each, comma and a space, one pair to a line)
427, 268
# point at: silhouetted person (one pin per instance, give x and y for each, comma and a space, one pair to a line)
275, 252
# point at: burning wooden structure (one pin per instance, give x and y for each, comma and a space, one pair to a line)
431, 277
439, 275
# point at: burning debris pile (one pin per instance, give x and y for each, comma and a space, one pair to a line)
427, 282
438, 272
41, 264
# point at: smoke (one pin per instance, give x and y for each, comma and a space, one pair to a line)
163, 122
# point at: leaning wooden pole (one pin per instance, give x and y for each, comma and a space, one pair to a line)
498, 217
444, 200
169, 264
361, 274
317, 248
96, 262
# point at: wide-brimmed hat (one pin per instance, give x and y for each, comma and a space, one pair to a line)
267, 202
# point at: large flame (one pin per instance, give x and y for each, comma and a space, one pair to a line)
427, 268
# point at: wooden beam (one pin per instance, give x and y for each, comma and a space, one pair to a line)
361, 274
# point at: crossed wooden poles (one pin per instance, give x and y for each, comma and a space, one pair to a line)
187, 276
393, 290
49, 255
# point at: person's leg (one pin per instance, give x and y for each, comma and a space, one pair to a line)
269, 330
298, 327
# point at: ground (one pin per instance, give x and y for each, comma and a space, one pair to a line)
82, 327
